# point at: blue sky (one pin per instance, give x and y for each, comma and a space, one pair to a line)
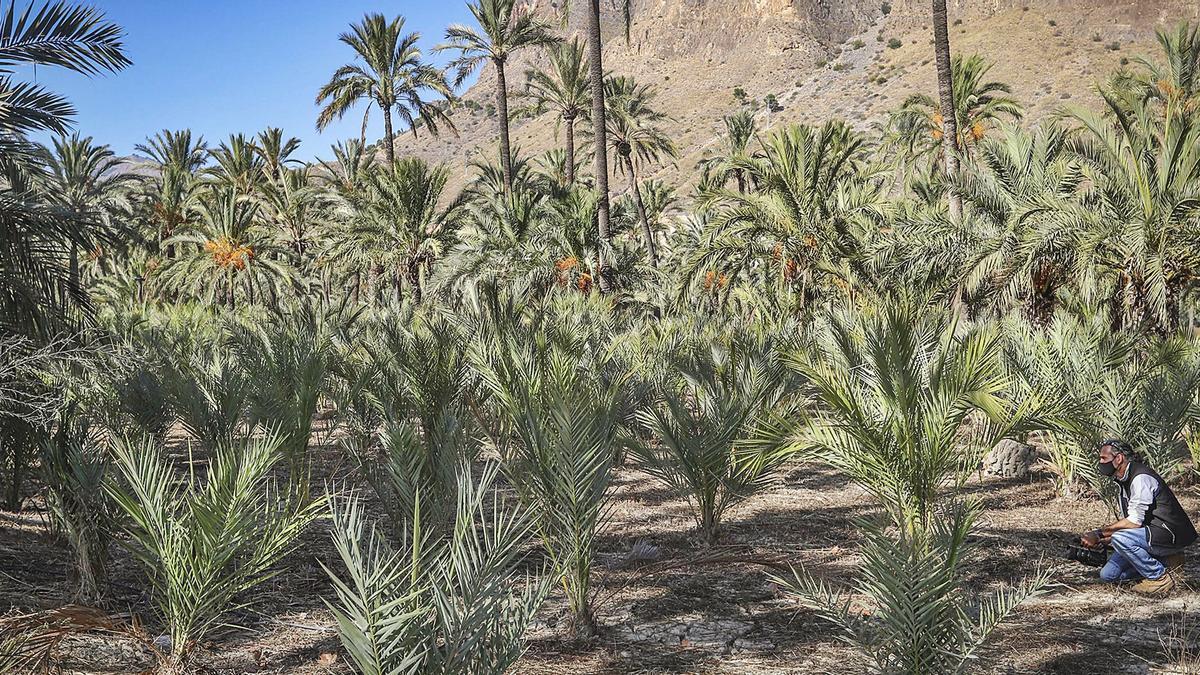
226, 66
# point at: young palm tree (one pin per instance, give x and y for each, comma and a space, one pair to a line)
564, 414
393, 78
920, 621
563, 89
636, 138
83, 180
506, 29
906, 401
895, 390
706, 424
442, 601
204, 543
731, 159
945, 78
75, 467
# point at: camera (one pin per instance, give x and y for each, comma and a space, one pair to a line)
1087, 556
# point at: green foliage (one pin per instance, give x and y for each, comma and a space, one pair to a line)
894, 43
75, 467
563, 409
442, 600
920, 619
205, 542
906, 403
708, 447
1096, 384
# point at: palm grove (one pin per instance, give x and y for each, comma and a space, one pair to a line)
889, 303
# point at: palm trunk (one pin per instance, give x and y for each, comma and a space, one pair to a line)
414, 283
741, 181
596, 73
74, 271
502, 110
941, 48
651, 249
570, 121
388, 137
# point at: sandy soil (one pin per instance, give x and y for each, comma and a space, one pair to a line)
684, 609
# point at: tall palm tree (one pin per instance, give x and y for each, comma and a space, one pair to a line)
727, 162
506, 30
171, 192
393, 77
36, 286
563, 89
599, 125
239, 165
275, 151
635, 135
83, 180
941, 52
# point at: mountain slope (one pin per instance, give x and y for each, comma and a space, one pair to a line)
821, 59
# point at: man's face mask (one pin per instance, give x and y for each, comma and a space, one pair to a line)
1108, 469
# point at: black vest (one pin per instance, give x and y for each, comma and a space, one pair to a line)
1168, 528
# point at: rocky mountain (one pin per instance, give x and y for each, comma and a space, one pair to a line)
820, 59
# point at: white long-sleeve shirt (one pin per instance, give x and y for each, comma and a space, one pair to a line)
1142, 491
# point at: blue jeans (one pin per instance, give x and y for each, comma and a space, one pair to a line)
1131, 558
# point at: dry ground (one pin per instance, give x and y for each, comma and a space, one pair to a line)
665, 610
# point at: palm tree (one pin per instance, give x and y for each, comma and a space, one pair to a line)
1144, 195
275, 151
36, 285
226, 251
978, 105
506, 30
563, 89
240, 166
941, 52
296, 207
730, 160
399, 226
1175, 86
393, 78
351, 163
637, 139
82, 179
171, 192
806, 226
1028, 224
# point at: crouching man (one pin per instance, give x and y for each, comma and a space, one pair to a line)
1148, 541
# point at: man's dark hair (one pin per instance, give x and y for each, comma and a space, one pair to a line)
1120, 447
